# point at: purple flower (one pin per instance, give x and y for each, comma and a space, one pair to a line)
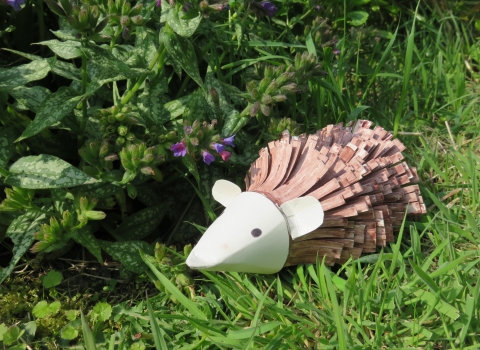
207, 157
218, 147
229, 141
336, 51
269, 8
188, 129
186, 7
15, 4
225, 155
159, 3
226, 7
179, 149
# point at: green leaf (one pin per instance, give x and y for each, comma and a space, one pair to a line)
182, 51
183, 27
182, 299
142, 223
234, 122
43, 308
53, 108
65, 49
197, 107
104, 67
3, 330
64, 69
52, 278
21, 232
21, 75
191, 166
7, 147
101, 190
354, 114
433, 301
357, 18
30, 329
85, 237
157, 333
45, 171
71, 315
30, 98
69, 332
151, 101
127, 253
102, 311
11, 335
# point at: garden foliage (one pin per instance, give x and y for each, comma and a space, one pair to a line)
117, 119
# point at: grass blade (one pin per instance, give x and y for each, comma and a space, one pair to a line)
87, 334
182, 299
157, 333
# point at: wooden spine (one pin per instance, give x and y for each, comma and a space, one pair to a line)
359, 177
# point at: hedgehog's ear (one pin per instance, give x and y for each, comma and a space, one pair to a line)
224, 191
304, 215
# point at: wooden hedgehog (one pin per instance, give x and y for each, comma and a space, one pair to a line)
336, 194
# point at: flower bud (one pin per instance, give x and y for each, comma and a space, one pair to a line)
137, 20
104, 148
267, 99
67, 221
126, 109
95, 215
122, 130
120, 141
110, 157
148, 158
126, 8
254, 109
147, 171
157, 175
124, 21
93, 16
183, 280
130, 136
83, 20
186, 250
131, 190
160, 251
279, 98
83, 204
265, 110
136, 10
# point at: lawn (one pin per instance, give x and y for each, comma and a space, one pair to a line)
93, 252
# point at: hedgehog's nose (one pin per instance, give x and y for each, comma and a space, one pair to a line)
194, 262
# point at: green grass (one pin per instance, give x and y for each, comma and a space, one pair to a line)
420, 292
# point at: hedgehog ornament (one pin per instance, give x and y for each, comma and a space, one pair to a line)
337, 194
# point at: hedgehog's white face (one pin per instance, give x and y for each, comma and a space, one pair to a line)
250, 236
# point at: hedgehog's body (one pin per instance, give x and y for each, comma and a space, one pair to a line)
358, 176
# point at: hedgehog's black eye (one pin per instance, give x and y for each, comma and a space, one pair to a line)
256, 232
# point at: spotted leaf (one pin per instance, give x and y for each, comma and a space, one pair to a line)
143, 222
128, 253
174, 17
45, 171
21, 75
21, 232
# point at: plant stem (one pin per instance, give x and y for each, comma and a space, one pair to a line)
41, 23
84, 90
115, 36
161, 53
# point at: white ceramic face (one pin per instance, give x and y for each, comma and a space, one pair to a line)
250, 236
